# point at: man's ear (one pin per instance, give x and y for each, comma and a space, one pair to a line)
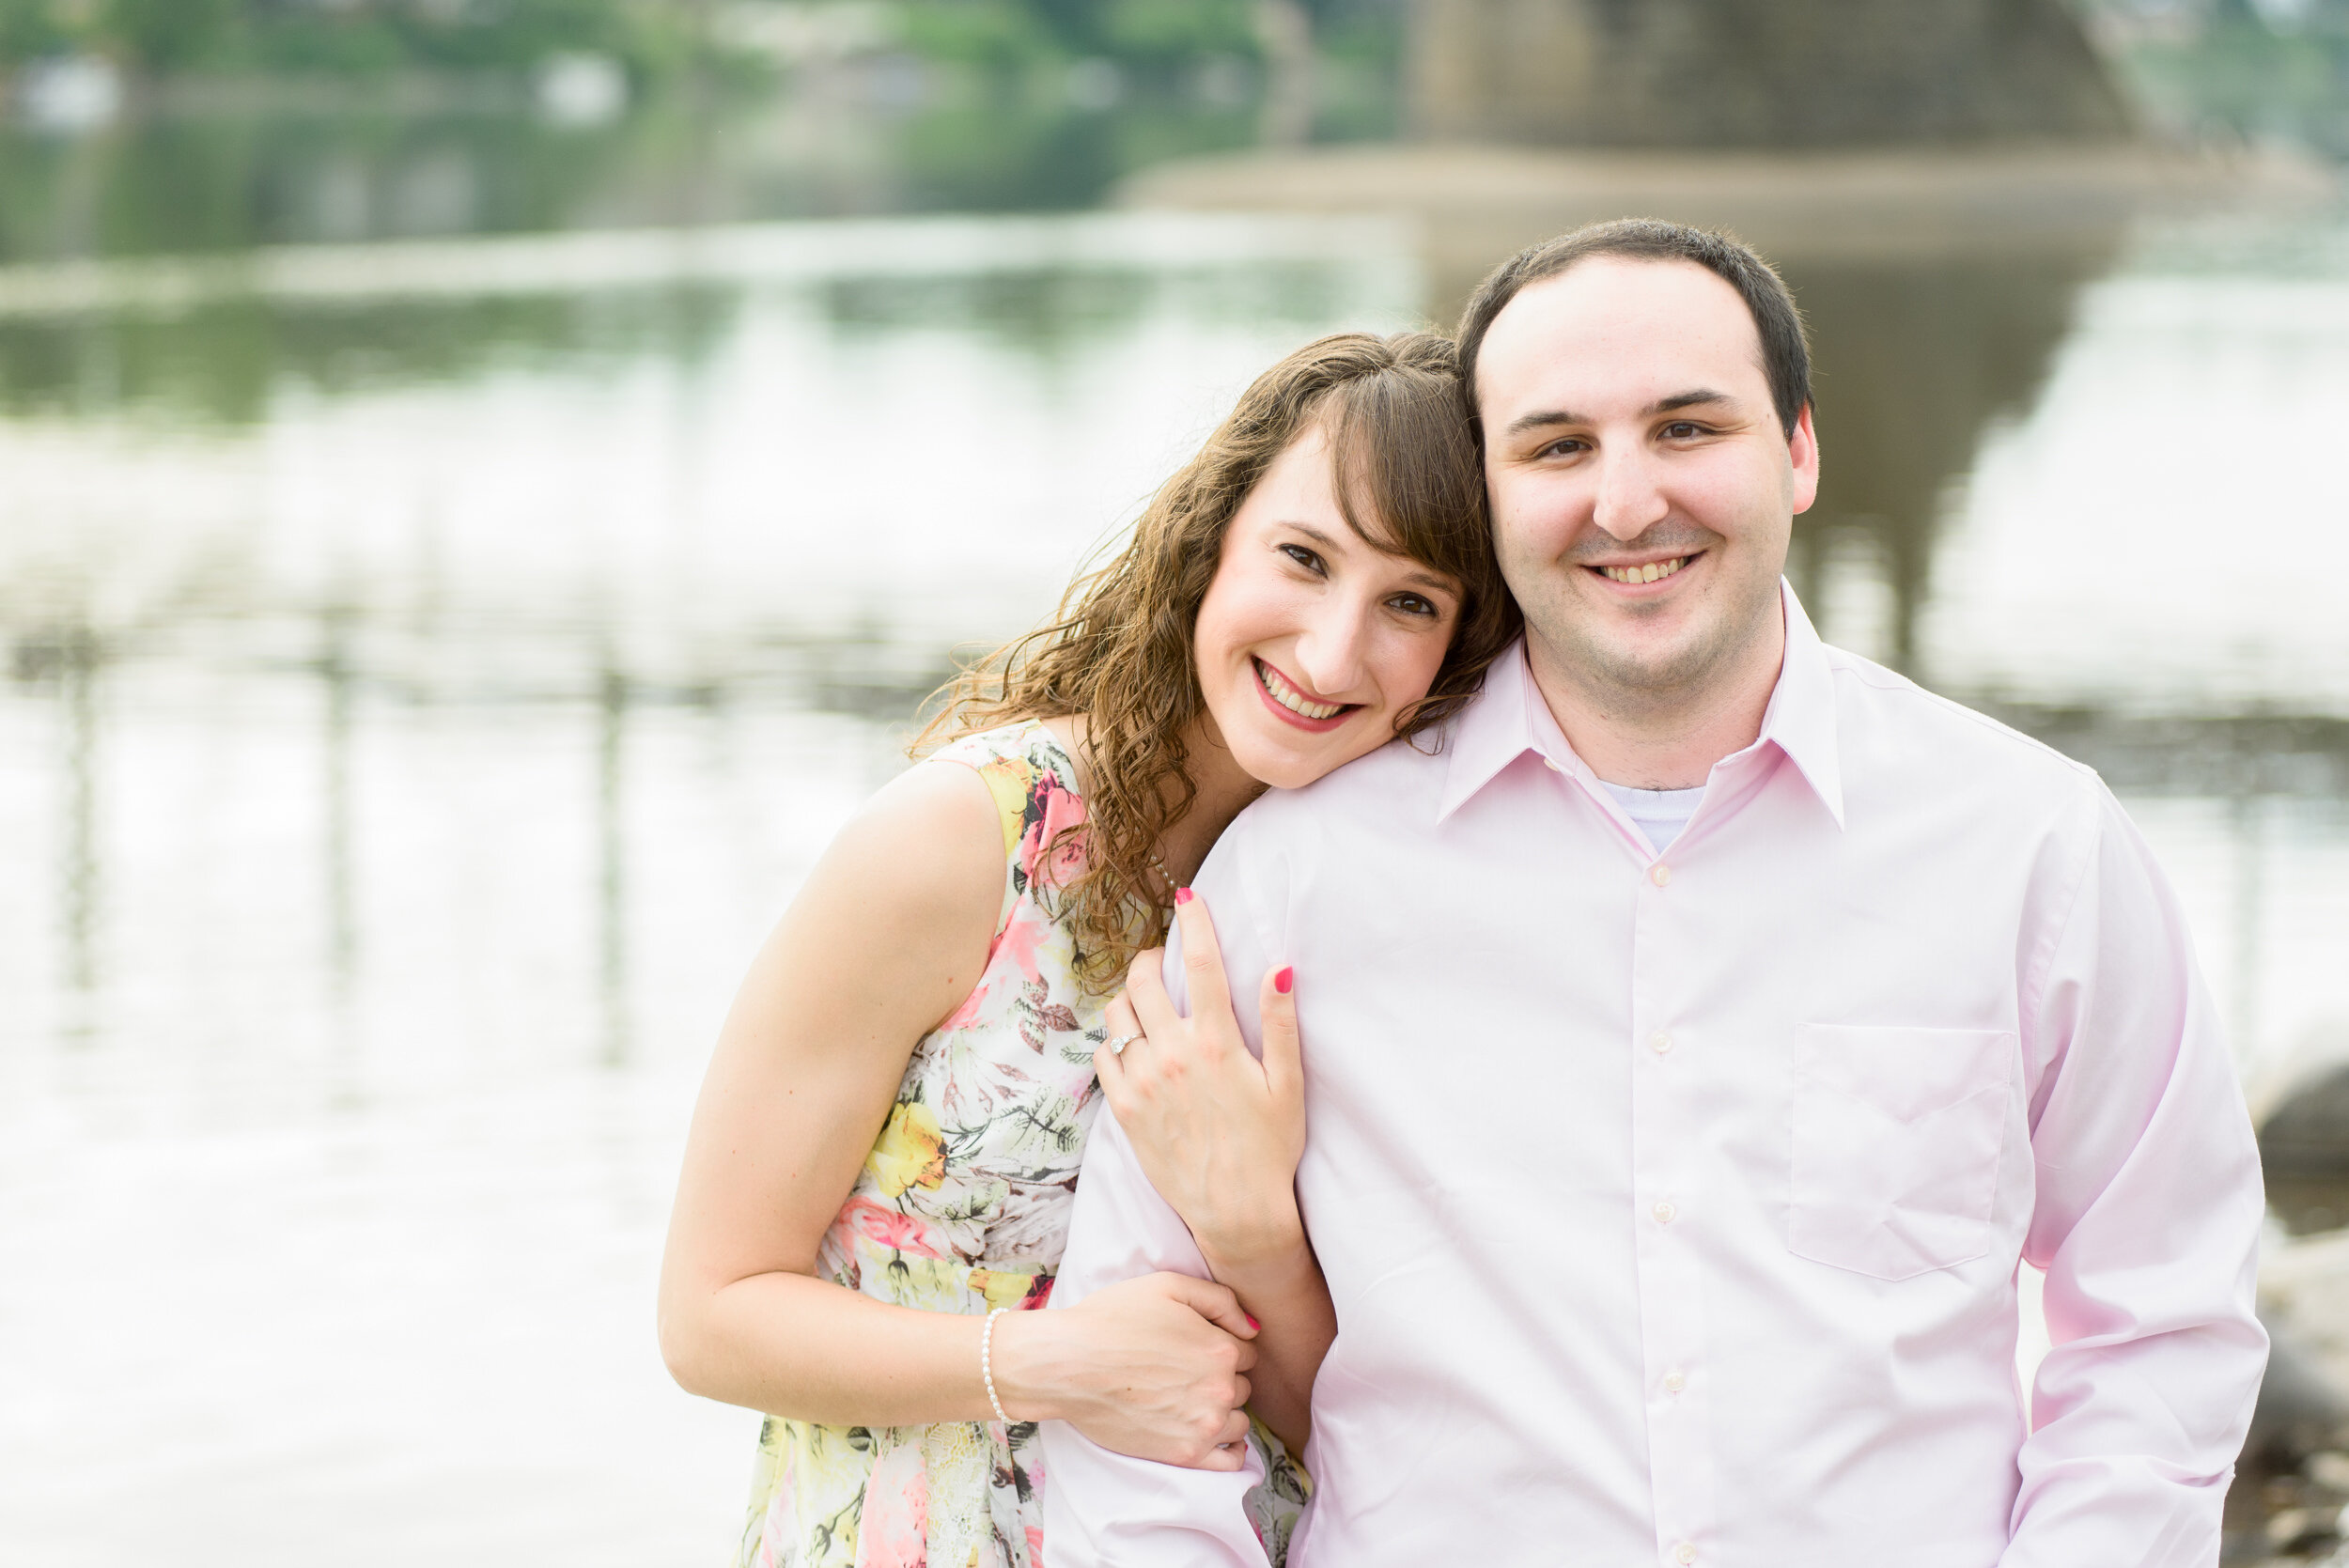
1802, 450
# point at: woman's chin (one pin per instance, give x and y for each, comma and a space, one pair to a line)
1294, 760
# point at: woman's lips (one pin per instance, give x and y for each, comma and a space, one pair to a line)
1271, 685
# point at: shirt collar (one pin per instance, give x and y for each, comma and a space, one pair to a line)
1511, 717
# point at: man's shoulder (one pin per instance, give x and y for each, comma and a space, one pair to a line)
1399, 782
1890, 728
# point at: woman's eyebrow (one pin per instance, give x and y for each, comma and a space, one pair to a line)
1425, 576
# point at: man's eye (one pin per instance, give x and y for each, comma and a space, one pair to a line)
1681, 429
1565, 447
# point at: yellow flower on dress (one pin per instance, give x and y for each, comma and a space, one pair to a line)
1002, 1288
910, 1151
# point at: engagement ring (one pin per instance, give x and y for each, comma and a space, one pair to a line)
1117, 1046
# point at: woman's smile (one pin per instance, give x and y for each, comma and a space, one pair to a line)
1289, 702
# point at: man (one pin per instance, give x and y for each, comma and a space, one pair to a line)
1697, 1042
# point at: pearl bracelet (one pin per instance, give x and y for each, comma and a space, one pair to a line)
987, 1363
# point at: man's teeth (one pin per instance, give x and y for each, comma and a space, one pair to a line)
1292, 699
1648, 573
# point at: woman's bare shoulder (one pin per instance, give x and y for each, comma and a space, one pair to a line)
930, 842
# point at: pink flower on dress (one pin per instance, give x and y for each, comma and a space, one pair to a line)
886, 1227
1019, 942
894, 1530
1036, 1532
968, 1014
1046, 864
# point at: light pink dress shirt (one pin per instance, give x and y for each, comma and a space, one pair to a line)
1672, 1207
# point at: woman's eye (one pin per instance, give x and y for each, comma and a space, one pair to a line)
1413, 604
1305, 558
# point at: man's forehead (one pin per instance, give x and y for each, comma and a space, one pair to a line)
1632, 329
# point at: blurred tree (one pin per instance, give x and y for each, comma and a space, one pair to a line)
30, 29
170, 34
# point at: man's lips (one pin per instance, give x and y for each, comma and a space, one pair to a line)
1291, 705
1636, 574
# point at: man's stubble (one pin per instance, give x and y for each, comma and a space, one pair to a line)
1644, 689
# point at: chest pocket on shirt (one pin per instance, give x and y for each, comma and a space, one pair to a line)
1897, 1134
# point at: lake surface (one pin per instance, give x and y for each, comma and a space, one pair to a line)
430, 668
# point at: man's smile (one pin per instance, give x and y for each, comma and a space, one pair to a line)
1651, 572
1642, 574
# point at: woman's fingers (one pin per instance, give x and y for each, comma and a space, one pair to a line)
1121, 1024
1235, 1431
1283, 1055
1111, 1074
1146, 993
1203, 960
1214, 1302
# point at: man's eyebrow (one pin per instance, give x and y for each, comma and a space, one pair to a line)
1688, 400
1543, 419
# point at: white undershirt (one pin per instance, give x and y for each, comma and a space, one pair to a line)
1659, 813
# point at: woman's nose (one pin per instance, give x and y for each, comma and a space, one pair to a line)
1628, 501
1330, 651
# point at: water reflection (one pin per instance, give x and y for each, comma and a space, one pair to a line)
217, 177
612, 865
1916, 360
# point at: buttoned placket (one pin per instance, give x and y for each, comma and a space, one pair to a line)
1671, 1302
1668, 1214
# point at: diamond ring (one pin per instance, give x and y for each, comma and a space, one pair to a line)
1117, 1046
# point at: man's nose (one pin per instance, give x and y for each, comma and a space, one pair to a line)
1629, 501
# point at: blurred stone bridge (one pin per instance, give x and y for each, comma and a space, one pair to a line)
1787, 73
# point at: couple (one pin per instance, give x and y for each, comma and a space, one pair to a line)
1704, 1025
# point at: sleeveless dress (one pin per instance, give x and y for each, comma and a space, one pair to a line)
963, 1206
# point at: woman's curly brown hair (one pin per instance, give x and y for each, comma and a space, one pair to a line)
1118, 652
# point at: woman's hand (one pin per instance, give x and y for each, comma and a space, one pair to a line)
1152, 1367
1217, 1132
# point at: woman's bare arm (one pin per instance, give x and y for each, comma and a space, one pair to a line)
886, 938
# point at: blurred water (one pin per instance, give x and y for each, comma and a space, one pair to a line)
430, 669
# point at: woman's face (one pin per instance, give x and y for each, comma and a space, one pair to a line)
1310, 640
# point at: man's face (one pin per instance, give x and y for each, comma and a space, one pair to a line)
1643, 489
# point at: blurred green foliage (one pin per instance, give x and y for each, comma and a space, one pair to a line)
350, 36
2221, 70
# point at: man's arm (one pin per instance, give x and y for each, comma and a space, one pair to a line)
2146, 1220
1103, 1510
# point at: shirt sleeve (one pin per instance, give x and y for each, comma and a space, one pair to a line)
1103, 1509
2146, 1219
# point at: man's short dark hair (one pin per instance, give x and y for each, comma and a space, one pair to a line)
1785, 352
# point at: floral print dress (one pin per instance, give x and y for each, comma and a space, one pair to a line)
963, 1206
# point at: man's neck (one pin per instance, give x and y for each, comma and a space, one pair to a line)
1651, 741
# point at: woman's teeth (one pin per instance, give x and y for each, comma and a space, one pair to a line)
1648, 573
1289, 697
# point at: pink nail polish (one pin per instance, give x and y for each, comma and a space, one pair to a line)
1252, 1320
1182, 896
1283, 981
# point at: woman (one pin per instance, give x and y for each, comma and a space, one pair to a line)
881, 1166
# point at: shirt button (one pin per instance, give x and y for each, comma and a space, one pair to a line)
1674, 1381
1660, 1042
1552, 763
1664, 1213
1660, 874
1684, 1554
